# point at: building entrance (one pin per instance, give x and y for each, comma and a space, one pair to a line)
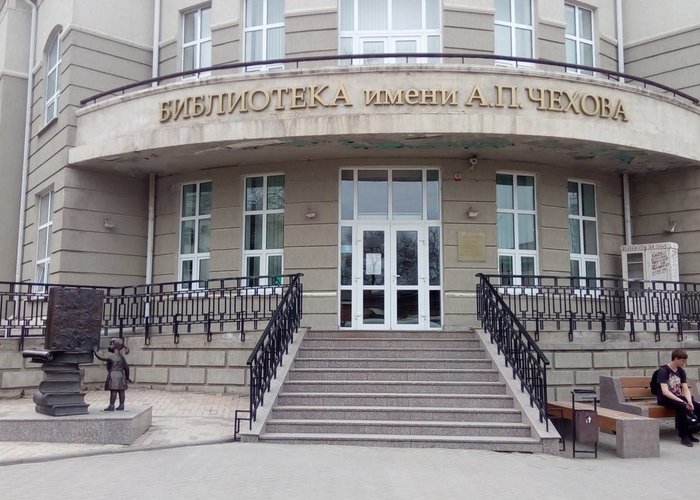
390, 266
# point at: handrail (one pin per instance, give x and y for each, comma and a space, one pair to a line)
609, 302
273, 344
528, 362
401, 55
230, 303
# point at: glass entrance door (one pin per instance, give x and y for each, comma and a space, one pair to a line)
390, 249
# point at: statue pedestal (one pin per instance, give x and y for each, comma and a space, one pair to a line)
59, 393
95, 427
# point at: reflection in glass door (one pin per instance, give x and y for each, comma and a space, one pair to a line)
406, 281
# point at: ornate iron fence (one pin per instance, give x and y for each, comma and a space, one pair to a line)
274, 344
528, 362
608, 303
224, 304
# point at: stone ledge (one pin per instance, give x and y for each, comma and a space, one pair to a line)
97, 427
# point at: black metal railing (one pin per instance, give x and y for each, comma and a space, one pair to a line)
273, 344
526, 359
557, 302
408, 57
224, 304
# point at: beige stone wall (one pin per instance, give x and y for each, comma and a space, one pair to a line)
81, 251
581, 366
14, 57
311, 246
467, 29
311, 34
220, 366
668, 197
667, 49
193, 365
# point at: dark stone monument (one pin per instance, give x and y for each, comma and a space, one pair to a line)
73, 324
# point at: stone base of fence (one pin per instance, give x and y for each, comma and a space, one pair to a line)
194, 364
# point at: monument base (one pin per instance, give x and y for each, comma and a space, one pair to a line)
97, 427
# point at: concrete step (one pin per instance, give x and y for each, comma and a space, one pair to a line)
394, 399
521, 444
360, 334
378, 374
333, 362
399, 342
387, 352
398, 427
396, 386
397, 413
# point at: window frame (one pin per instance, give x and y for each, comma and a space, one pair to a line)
264, 28
516, 253
582, 258
196, 257
389, 36
197, 42
263, 253
512, 25
578, 40
52, 97
44, 260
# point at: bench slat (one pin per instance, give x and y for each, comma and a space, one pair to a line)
635, 382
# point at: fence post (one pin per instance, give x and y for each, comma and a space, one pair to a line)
632, 332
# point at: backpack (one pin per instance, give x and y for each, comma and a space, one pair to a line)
654, 383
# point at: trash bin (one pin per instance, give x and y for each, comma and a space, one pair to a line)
585, 420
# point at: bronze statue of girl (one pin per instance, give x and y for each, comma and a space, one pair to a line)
117, 373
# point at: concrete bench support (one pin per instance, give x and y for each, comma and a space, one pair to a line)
636, 436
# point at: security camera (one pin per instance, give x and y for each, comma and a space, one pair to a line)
473, 160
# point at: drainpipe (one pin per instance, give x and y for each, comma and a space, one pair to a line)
620, 39
156, 41
151, 227
626, 202
621, 69
27, 132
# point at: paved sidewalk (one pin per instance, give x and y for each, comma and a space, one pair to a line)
179, 419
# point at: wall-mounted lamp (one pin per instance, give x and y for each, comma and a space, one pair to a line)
108, 224
473, 160
310, 213
671, 226
472, 213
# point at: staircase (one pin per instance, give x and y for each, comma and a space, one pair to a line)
409, 389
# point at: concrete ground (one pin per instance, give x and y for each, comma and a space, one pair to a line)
173, 460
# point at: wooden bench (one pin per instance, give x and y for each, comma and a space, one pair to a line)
633, 395
636, 436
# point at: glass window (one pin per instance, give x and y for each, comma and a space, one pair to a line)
579, 37
513, 29
264, 33
195, 241
43, 243
372, 194
53, 62
389, 26
516, 224
196, 39
347, 195
263, 234
583, 229
407, 194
